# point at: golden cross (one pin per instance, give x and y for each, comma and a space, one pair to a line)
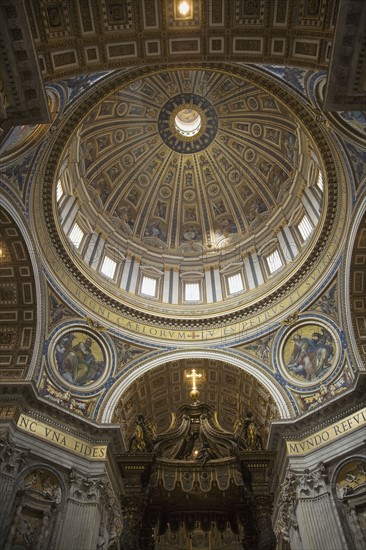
194, 374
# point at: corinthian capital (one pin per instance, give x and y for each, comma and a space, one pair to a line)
86, 489
12, 457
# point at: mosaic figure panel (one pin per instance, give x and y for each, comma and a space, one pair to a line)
309, 353
80, 358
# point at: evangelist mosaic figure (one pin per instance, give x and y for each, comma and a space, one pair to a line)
312, 354
79, 359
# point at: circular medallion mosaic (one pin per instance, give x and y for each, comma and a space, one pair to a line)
187, 123
309, 353
80, 357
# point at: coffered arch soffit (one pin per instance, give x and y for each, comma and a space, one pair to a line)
83, 37
277, 399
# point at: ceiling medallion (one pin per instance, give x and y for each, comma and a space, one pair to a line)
183, 10
187, 123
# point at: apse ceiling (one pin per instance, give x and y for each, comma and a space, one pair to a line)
160, 392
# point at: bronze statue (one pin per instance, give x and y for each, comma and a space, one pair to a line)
142, 439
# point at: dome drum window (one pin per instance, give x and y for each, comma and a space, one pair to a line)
76, 235
305, 227
112, 262
149, 286
108, 267
320, 181
150, 282
192, 292
59, 191
274, 261
235, 283
192, 287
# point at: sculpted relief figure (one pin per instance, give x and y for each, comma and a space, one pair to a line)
45, 484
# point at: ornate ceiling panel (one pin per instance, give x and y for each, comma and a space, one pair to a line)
85, 36
22, 96
347, 81
358, 289
18, 302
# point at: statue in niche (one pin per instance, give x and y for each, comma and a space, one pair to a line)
249, 431
351, 480
136, 441
37, 501
25, 531
142, 439
45, 484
